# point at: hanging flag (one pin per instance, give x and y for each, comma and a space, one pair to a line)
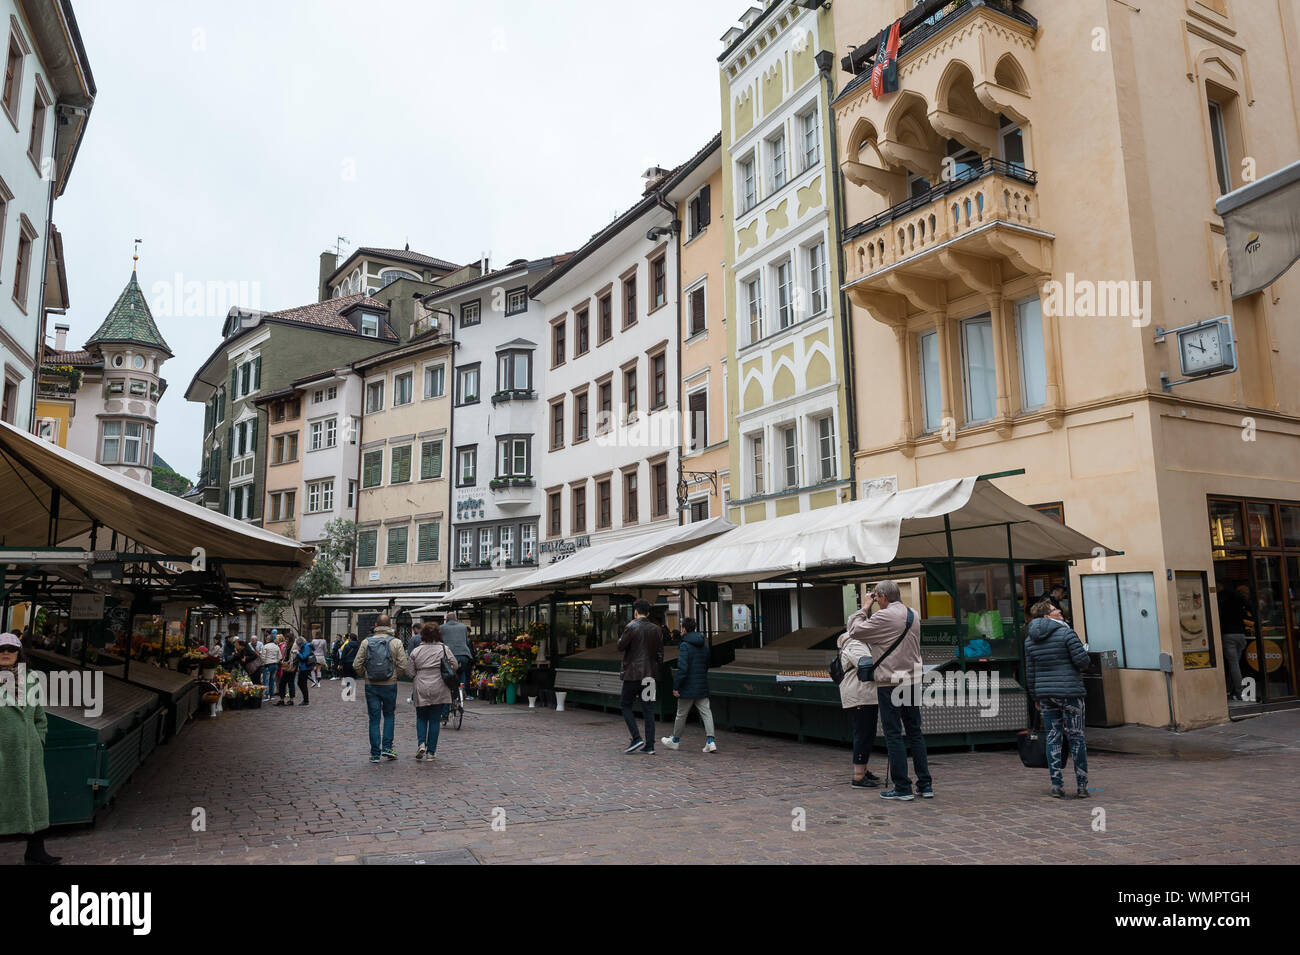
884, 75
1261, 224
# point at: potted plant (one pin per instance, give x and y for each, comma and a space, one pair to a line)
253, 696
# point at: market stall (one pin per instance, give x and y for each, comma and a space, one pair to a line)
957, 542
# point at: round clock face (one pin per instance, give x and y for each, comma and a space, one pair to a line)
139, 361
1201, 349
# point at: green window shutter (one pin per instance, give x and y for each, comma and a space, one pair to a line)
426, 461
428, 545
234, 381
230, 442
397, 545
252, 438
401, 469
366, 543
257, 372
372, 469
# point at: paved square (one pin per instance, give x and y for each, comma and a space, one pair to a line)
294, 785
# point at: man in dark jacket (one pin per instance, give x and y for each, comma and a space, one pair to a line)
642, 644
1055, 659
691, 686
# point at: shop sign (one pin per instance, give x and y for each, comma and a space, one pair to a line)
742, 593
87, 607
564, 547
1272, 656
600, 603
471, 505
1193, 621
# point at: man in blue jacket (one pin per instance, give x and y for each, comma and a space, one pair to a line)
1055, 660
692, 685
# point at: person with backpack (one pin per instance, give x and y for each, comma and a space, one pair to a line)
306, 655
691, 686
380, 657
1054, 661
430, 666
859, 699
893, 634
271, 656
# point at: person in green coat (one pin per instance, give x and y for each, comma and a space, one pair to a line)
24, 798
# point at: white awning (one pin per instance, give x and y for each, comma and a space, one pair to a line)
32, 469
1261, 225
473, 590
902, 526
380, 599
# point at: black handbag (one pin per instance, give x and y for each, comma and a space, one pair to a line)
867, 666
448, 670
1032, 744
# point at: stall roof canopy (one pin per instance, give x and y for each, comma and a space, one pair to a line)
31, 470
379, 599
474, 590
900, 528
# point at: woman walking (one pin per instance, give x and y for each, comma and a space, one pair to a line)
1054, 658
318, 647
305, 652
430, 692
24, 797
288, 670
692, 686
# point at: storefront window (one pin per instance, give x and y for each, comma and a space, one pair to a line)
1226, 524
1259, 524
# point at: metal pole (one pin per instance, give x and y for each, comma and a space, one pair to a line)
798, 592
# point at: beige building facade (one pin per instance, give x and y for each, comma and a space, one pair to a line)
1024, 214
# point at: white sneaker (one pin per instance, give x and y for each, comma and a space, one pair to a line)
710, 747
419, 753
668, 741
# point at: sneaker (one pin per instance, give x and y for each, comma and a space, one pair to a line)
873, 777
374, 759
896, 794
709, 747
279, 702
419, 753
648, 752
635, 745
1058, 792
926, 793
388, 754
866, 782
1081, 792
291, 702
668, 741
305, 703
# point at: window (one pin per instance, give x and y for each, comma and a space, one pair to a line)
367, 543
630, 511
696, 317
430, 460
1032, 354
372, 469
465, 548
324, 434
700, 510
467, 385
23, 266
826, 448
790, 444
553, 514
629, 301
776, 160
659, 474
14, 73
605, 406
426, 547
754, 304
435, 381
659, 282
659, 380
467, 466
579, 515
138, 387
527, 543
605, 311
580, 418
369, 325
399, 470
784, 295
927, 346
282, 504
582, 332
485, 545
514, 371
1219, 140
604, 515
979, 377
320, 496
402, 389
810, 129
506, 543
697, 408
132, 434
470, 313
111, 447
516, 301
354, 431
375, 397
397, 545
36, 145
697, 213
1013, 143
557, 344
318, 396
285, 448
512, 457
352, 494
557, 425
629, 391
757, 464
817, 278
1120, 614
748, 184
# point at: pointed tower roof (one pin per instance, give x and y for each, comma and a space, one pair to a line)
130, 320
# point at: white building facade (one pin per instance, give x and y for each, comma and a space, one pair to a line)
331, 429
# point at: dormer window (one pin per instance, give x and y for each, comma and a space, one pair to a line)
369, 325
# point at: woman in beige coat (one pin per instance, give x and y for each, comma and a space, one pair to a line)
860, 700
429, 693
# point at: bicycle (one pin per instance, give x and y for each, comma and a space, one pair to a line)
456, 710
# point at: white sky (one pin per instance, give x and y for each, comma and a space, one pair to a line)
239, 138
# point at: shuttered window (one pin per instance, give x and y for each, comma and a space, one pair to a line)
430, 460
428, 538
372, 469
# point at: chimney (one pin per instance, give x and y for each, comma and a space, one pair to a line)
61, 337
328, 263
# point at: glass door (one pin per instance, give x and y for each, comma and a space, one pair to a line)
1269, 658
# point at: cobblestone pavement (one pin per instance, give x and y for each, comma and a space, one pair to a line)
294, 785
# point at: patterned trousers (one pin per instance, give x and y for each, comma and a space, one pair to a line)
1063, 717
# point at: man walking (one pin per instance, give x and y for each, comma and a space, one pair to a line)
893, 632
456, 636
642, 643
379, 659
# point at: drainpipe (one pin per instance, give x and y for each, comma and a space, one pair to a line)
676, 227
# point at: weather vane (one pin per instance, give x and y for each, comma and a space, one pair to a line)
135, 255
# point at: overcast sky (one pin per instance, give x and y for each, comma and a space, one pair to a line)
238, 139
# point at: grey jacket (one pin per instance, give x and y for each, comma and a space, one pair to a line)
424, 667
1054, 656
456, 635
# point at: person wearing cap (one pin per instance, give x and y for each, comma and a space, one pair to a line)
24, 796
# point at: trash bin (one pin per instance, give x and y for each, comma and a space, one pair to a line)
1105, 705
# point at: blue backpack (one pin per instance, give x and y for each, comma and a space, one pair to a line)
379, 658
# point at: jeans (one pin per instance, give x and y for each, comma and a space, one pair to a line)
864, 732
1234, 645
684, 710
632, 690
304, 677
899, 722
269, 674
463, 672
381, 700
428, 723
1064, 715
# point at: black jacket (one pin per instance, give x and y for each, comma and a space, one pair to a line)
642, 644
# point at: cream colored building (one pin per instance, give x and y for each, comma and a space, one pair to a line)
1024, 213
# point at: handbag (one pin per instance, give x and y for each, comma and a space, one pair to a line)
448, 670
1032, 744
